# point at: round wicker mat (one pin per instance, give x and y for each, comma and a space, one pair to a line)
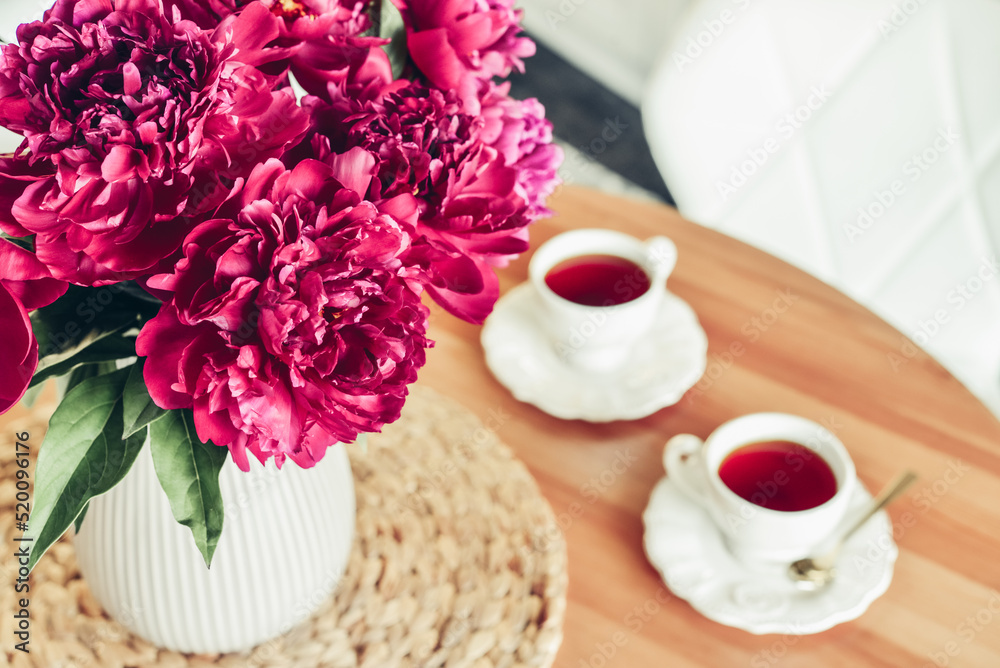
457, 563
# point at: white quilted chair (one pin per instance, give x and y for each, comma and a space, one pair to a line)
857, 139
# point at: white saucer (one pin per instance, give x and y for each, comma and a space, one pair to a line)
661, 367
684, 545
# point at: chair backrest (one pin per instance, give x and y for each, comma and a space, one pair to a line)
857, 139
615, 42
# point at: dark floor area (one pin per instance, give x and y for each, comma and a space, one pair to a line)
591, 118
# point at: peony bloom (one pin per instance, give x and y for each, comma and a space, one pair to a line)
206, 13
519, 131
291, 322
135, 124
19, 353
329, 47
317, 19
479, 179
322, 38
460, 44
25, 277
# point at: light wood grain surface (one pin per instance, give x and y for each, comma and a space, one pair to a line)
825, 358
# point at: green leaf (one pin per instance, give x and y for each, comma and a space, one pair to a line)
132, 289
23, 242
63, 324
85, 371
393, 27
83, 455
84, 315
139, 407
31, 396
133, 443
79, 518
96, 348
188, 471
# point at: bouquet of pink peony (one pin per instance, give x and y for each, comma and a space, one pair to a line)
224, 215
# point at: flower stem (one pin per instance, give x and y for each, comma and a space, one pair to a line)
375, 13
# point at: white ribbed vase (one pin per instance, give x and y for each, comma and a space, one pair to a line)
284, 546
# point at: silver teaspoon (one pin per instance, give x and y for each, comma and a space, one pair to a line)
813, 573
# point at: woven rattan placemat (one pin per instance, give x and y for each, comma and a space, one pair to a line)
457, 562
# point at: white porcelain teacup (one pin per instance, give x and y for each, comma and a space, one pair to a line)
599, 337
750, 530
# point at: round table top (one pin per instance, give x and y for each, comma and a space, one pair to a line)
822, 356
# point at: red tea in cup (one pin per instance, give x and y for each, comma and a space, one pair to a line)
598, 280
779, 475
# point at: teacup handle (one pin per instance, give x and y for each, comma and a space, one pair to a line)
662, 256
680, 457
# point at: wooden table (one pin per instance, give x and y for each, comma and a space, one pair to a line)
826, 358
823, 357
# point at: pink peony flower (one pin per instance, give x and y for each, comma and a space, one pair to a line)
328, 39
19, 353
206, 13
459, 44
322, 37
134, 124
318, 19
291, 322
519, 131
479, 179
25, 277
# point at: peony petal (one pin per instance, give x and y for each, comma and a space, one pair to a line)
467, 300
27, 278
162, 342
403, 207
253, 29
215, 427
354, 169
262, 179
19, 354
308, 179
131, 79
67, 264
121, 163
436, 58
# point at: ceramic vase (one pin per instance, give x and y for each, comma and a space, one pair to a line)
285, 544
